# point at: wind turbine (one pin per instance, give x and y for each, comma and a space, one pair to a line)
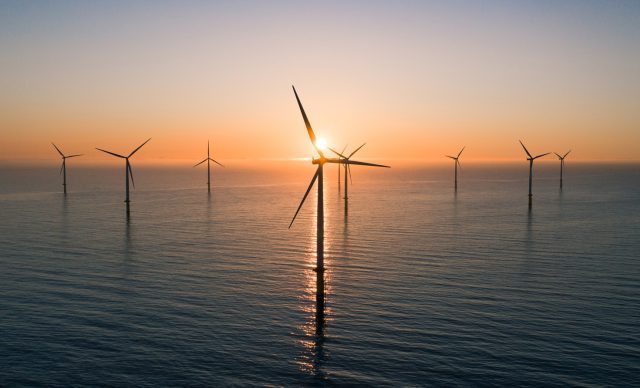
561, 164
208, 160
63, 168
347, 168
531, 159
456, 164
339, 167
320, 209
127, 169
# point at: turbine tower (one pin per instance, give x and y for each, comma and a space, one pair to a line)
127, 170
208, 160
456, 164
339, 167
318, 176
561, 164
63, 168
531, 159
347, 168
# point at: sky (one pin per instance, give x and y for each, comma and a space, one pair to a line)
413, 79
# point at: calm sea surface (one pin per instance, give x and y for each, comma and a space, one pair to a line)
424, 287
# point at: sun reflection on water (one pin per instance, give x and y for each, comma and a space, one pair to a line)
313, 330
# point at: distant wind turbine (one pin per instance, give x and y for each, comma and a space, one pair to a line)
127, 169
347, 168
561, 164
340, 167
456, 164
320, 209
63, 168
531, 159
208, 160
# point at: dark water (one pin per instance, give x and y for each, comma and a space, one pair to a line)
424, 287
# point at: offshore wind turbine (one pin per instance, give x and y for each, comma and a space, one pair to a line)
318, 176
63, 168
127, 170
339, 167
208, 160
531, 159
347, 168
561, 164
456, 164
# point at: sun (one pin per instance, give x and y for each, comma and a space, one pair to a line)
321, 143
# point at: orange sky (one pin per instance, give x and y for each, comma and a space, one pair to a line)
413, 80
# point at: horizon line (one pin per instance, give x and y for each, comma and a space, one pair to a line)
298, 160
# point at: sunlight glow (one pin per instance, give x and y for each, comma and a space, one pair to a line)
362, 83
321, 144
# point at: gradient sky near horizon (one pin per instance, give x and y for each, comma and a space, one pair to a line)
414, 79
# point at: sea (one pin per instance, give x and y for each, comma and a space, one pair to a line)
425, 286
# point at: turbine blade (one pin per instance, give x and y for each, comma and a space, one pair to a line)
201, 162
460, 153
109, 152
350, 177
565, 155
312, 135
313, 180
459, 165
337, 153
345, 148
208, 149
216, 162
61, 168
131, 174
452, 157
539, 156
363, 163
140, 146
357, 149
559, 157
525, 149
58, 149
73, 156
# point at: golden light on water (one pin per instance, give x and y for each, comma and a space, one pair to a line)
312, 343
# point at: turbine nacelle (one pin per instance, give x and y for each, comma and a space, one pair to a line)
457, 157
539, 156
323, 160
530, 157
63, 156
561, 157
127, 165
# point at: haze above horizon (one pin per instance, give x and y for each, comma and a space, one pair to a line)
414, 80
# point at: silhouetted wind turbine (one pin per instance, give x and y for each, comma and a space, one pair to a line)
127, 169
347, 168
561, 164
208, 160
531, 159
456, 164
340, 166
320, 217
63, 168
